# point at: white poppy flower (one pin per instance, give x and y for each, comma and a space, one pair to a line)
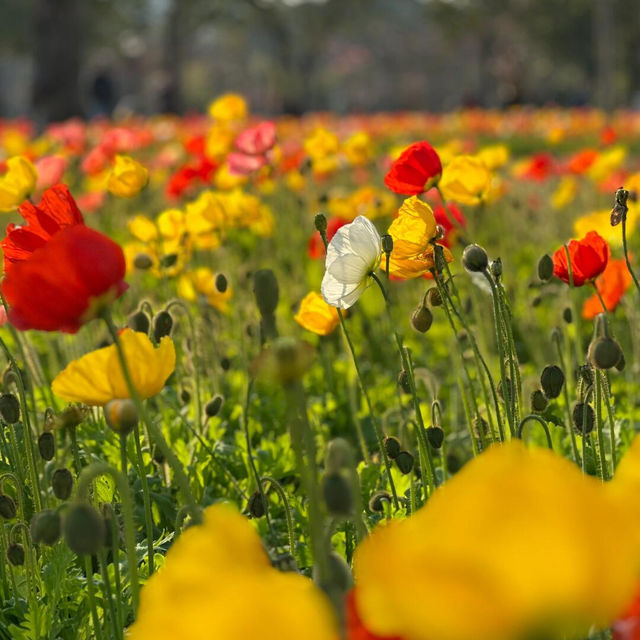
352, 255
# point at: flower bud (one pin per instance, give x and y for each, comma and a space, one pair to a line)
392, 447
474, 258
185, 396
62, 483
225, 364
9, 408
403, 381
121, 416
387, 243
221, 282
8, 509
256, 506
545, 268
584, 417
169, 260
604, 353
320, 222
45, 527
266, 291
433, 298
496, 268
212, 408
621, 363
15, 554
139, 321
567, 315
377, 500
47, 445
339, 455
284, 361
551, 381
539, 401
339, 575
404, 460
421, 319
338, 494
83, 528
162, 325
142, 261
435, 436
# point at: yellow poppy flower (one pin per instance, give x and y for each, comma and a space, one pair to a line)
606, 163
217, 582
321, 144
565, 192
228, 107
505, 550
96, 378
494, 156
143, 228
600, 221
127, 178
466, 180
358, 148
412, 232
17, 183
202, 282
316, 315
225, 180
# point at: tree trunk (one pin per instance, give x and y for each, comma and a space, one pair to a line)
57, 48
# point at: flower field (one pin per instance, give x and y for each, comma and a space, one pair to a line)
327, 377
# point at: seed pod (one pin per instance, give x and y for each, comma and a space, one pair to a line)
139, 321
551, 381
83, 528
583, 417
338, 494
212, 408
387, 243
545, 268
162, 325
403, 381
377, 500
142, 261
221, 282
567, 315
604, 353
121, 416
8, 509
15, 554
47, 445
62, 483
421, 319
9, 408
539, 401
255, 506
266, 291
392, 447
404, 460
435, 436
45, 527
474, 258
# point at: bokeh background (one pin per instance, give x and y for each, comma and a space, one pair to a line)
63, 58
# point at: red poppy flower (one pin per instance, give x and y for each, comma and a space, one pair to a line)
316, 246
417, 169
355, 627
612, 284
66, 282
627, 627
200, 170
589, 258
56, 211
539, 167
581, 161
447, 222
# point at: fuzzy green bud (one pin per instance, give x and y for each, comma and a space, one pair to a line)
266, 291
15, 554
162, 325
221, 282
377, 500
62, 483
212, 408
83, 529
320, 222
475, 259
392, 447
9, 408
604, 353
552, 381
45, 527
421, 319
139, 321
584, 417
435, 436
404, 460
121, 416
47, 445
338, 494
539, 401
8, 509
545, 268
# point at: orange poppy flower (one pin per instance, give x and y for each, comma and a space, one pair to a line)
612, 284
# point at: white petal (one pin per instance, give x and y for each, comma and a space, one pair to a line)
365, 240
351, 269
338, 294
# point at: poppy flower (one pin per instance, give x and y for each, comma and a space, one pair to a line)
56, 211
316, 246
612, 284
352, 255
466, 180
229, 107
243, 164
581, 161
627, 627
416, 170
447, 221
316, 315
257, 140
356, 629
589, 257
96, 378
127, 178
65, 282
17, 183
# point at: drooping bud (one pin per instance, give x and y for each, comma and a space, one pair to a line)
404, 460
475, 259
8, 509
9, 408
185, 396
567, 315
604, 353
62, 483
392, 447
584, 417
551, 381
47, 445
83, 529
15, 554
433, 297
421, 319
545, 268
162, 325
539, 401
255, 505
121, 415
403, 381
139, 321
377, 500
212, 408
435, 436
338, 494
45, 527
221, 282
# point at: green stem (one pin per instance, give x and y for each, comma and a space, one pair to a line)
572, 435
108, 596
287, 511
146, 499
545, 426
602, 304
606, 387
97, 629
599, 429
